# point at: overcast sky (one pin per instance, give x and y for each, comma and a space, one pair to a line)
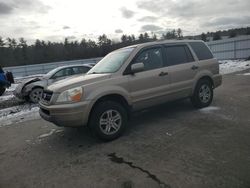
56, 19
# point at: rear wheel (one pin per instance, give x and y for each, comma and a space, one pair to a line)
203, 94
36, 95
108, 120
2, 90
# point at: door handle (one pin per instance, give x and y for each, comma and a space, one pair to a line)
194, 67
163, 74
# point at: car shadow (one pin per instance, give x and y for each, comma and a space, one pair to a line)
83, 138
169, 110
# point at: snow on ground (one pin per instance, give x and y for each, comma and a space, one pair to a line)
209, 109
11, 88
230, 66
6, 97
215, 111
18, 114
52, 131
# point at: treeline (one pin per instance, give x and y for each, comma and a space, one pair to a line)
230, 33
17, 52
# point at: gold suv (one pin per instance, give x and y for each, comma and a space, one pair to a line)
131, 79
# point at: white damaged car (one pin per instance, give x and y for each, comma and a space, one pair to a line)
32, 89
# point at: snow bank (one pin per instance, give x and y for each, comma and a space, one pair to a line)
230, 66
18, 114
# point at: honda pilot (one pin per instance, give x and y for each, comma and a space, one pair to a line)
131, 79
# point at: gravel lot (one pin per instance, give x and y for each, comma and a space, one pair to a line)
172, 145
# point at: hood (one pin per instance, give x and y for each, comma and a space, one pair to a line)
30, 80
25, 83
69, 83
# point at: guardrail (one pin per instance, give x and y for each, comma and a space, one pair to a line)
21, 71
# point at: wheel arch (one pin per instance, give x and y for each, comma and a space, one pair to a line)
32, 88
111, 97
203, 77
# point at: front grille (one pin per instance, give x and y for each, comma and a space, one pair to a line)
45, 111
47, 95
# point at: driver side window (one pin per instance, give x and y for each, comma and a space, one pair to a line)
151, 58
62, 73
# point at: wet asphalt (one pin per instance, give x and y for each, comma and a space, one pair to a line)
172, 145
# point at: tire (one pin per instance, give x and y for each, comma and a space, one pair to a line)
108, 120
36, 94
203, 94
2, 90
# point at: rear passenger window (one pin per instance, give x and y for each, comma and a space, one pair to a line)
201, 50
176, 55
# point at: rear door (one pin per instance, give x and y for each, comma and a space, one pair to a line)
182, 69
147, 87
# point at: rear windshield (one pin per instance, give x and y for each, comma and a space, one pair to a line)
201, 50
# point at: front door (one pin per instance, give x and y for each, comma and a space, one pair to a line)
147, 87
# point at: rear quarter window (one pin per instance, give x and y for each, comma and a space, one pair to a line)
201, 50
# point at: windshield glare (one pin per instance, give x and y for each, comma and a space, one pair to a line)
111, 62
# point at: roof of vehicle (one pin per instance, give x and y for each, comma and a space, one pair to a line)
160, 42
66, 66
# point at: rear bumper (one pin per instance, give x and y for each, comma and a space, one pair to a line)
66, 115
217, 80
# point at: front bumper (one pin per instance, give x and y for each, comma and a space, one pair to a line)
66, 115
19, 92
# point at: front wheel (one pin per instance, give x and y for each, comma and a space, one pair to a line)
203, 94
108, 120
36, 95
2, 90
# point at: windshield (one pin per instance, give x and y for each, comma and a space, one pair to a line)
52, 72
111, 62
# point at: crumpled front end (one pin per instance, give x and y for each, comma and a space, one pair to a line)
24, 88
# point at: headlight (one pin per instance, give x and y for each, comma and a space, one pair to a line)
71, 95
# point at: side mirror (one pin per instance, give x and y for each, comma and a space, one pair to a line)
137, 67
